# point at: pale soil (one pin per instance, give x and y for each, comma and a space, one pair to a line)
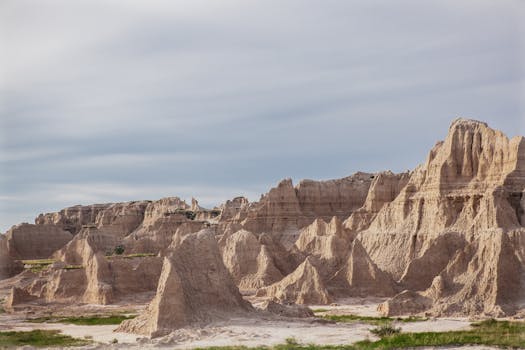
261, 330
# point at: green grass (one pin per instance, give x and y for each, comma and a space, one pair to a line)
491, 332
38, 262
39, 338
73, 267
319, 310
37, 265
95, 320
131, 256
356, 318
372, 320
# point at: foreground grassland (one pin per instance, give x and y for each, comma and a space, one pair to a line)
84, 321
38, 338
493, 333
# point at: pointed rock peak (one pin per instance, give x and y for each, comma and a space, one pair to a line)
335, 223
194, 288
285, 183
467, 123
303, 286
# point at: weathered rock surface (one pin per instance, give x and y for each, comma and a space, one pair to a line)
328, 242
83, 275
27, 241
73, 218
384, 189
459, 217
250, 263
291, 310
194, 288
360, 277
303, 286
285, 209
8, 266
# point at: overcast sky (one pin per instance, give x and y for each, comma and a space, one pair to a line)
105, 101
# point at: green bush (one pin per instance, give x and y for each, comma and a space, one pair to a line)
385, 330
119, 250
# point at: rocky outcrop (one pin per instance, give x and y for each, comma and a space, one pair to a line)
27, 241
250, 263
303, 286
291, 310
384, 189
360, 277
8, 266
455, 217
328, 242
285, 209
17, 296
81, 274
73, 218
194, 288
120, 219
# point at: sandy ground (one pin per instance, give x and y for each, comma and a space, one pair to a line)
248, 332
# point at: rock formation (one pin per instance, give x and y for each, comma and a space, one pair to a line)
73, 218
328, 242
8, 266
361, 277
303, 286
286, 209
459, 215
447, 238
27, 241
194, 288
291, 310
384, 189
250, 263
80, 274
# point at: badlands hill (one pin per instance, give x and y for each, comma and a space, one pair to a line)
447, 238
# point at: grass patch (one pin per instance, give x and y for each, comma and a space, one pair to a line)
73, 267
385, 330
39, 338
131, 256
356, 318
95, 320
377, 321
37, 265
38, 262
319, 310
491, 333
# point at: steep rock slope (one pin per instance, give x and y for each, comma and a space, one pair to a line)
194, 288
457, 214
250, 263
27, 241
303, 286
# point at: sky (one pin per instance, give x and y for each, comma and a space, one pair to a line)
106, 101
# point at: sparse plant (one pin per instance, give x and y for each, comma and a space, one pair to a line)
291, 341
385, 330
114, 341
190, 214
119, 250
